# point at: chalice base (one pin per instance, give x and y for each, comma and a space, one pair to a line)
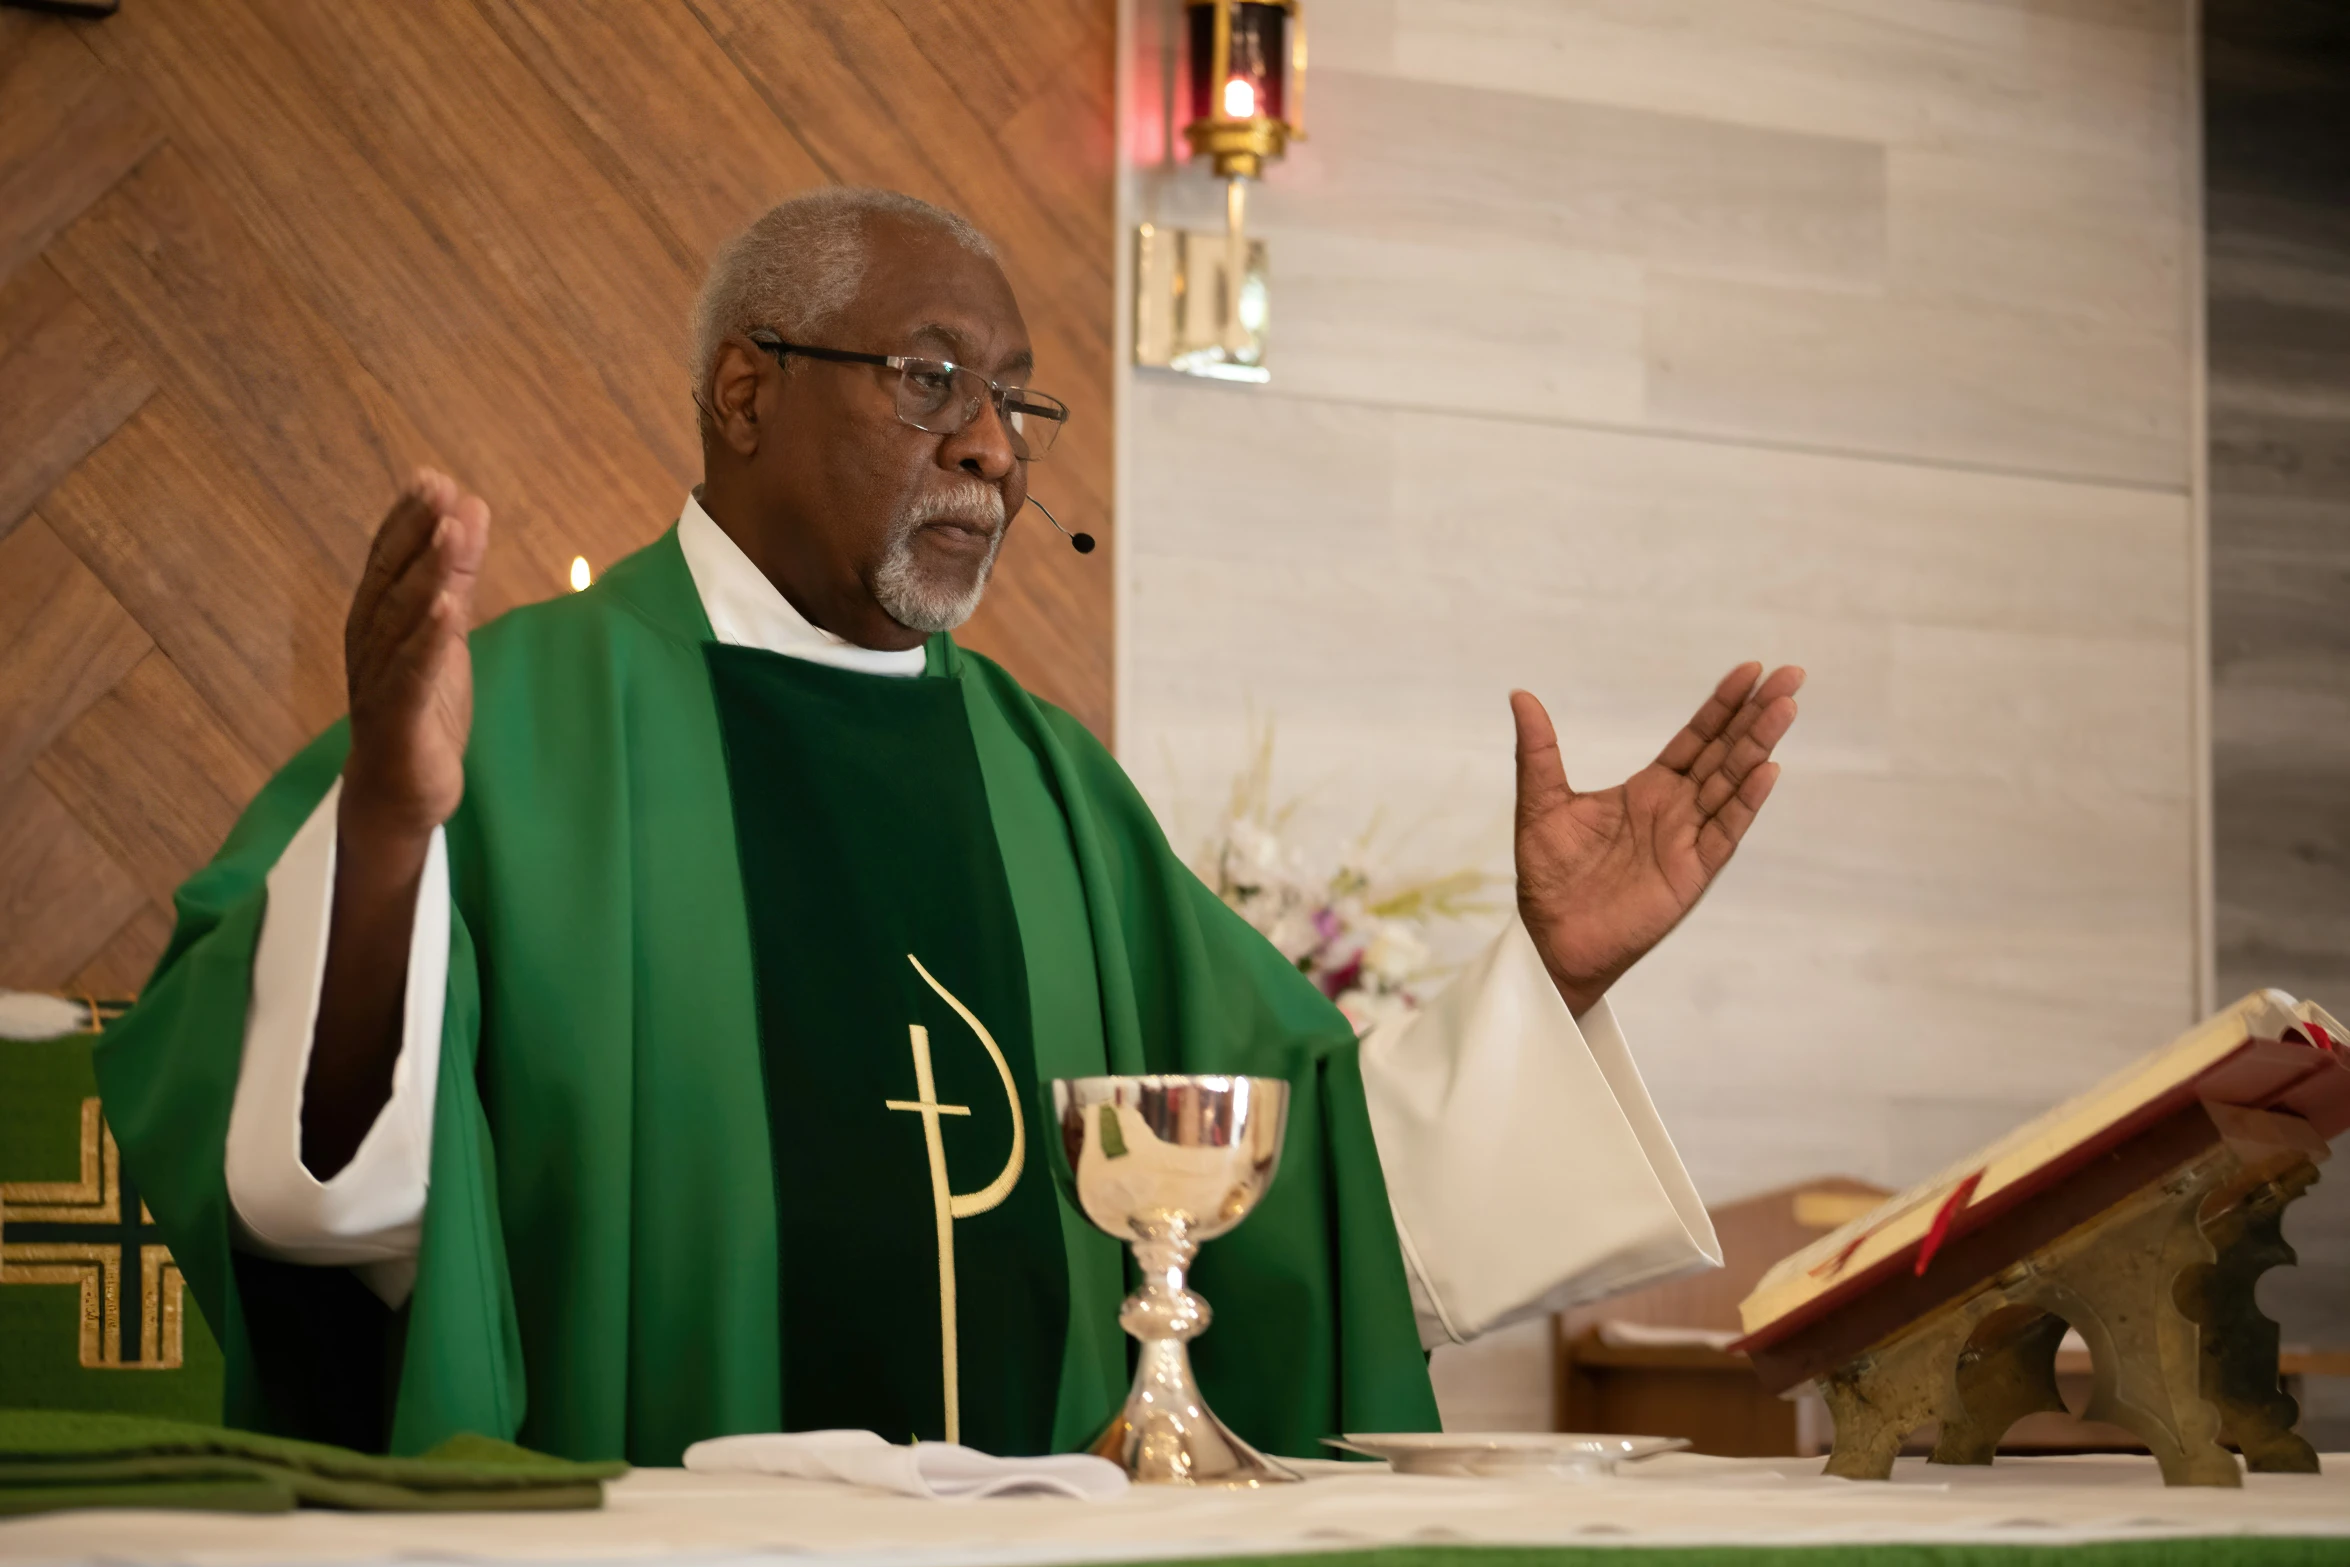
1166, 1434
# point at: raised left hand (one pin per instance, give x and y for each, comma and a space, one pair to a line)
1604, 876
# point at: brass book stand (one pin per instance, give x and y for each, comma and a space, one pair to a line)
2160, 1284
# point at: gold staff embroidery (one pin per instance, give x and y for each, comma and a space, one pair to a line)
948, 1204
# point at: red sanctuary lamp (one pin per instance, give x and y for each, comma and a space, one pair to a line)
1246, 74
1201, 300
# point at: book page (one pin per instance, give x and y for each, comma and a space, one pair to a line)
1903, 1219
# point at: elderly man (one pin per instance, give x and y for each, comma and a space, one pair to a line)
581, 1042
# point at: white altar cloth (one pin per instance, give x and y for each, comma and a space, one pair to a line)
719, 1520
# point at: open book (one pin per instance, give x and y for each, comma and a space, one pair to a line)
2266, 1052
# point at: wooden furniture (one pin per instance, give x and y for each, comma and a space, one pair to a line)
1695, 1389
1711, 1395
2138, 1214
1708, 1395
2160, 1284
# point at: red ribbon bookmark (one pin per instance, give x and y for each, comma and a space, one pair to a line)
1939, 1230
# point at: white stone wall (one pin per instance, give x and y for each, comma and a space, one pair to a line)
1615, 342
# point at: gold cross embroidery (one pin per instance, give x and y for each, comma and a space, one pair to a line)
79, 1232
948, 1204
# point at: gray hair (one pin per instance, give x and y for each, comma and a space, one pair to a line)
798, 266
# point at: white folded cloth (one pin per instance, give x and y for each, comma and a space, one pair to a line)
941, 1471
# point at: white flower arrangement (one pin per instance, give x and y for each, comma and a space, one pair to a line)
1360, 935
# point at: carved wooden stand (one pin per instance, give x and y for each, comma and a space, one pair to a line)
2160, 1285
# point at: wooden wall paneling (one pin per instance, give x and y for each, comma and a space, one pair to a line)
64, 642
997, 62
153, 775
71, 130
2088, 77
1517, 326
229, 585
121, 966
1402, 158
61, 896
65, 385
258, 259
501, 394
682, 129
2277, 284
2022, 304
873, 109
2278, 216
234, 339
2005, 391
457, 126
2092, 251
1058, 603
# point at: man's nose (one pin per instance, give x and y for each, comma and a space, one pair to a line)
982, 448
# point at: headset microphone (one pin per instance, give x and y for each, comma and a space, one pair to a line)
1081, 542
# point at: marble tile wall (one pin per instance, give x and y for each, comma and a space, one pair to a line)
1615, 341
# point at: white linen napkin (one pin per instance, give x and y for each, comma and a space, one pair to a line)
941, 1471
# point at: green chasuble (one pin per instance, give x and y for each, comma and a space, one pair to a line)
756, 971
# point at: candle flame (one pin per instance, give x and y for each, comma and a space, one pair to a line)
580, 575
1240, 98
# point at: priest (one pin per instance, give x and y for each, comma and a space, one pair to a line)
577, 1043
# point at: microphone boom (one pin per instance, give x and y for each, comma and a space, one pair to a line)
1082, 543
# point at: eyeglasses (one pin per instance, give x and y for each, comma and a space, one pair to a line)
942, 397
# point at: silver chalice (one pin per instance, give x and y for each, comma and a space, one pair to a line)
1165, 1163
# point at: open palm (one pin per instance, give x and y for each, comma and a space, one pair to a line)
1604, 876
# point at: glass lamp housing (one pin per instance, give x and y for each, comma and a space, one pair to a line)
1245, 80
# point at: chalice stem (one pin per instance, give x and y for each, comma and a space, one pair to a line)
1165, 1307
1166, 1432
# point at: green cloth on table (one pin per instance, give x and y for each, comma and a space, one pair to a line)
143, 1349
56, 1459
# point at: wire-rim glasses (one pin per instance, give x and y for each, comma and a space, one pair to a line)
942, 398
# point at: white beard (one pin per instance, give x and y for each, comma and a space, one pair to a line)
917, 600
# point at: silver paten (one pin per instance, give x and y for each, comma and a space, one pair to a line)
1165, 1163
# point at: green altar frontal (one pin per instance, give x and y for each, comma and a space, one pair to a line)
93, 1313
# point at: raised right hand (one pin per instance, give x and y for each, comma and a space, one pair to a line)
411, 709
404, 653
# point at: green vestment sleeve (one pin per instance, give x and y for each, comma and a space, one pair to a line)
309, 1351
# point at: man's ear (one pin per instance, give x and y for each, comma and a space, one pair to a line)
733, 407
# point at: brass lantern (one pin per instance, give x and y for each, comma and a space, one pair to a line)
1201, 298
1246, 79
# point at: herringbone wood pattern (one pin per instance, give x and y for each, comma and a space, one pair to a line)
259, 258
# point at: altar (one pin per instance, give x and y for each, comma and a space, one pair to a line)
2099, 1509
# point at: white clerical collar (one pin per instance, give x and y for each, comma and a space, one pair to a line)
747, 610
